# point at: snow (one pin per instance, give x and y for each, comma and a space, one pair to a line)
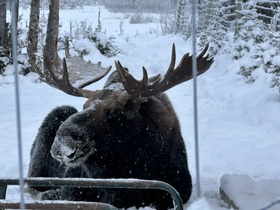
82, 46
102, 38
248, 194
238, 123
276, 60
200, 204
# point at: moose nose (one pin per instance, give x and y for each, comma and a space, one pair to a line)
64, 148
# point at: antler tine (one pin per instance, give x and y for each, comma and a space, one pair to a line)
204, 63
183, 72
67, 52
107, 70
49, 74
53, 80
137, 88
203, 51
173, 60
145, 75
63, 83
125, 76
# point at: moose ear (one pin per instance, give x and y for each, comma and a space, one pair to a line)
145, 109
134, 106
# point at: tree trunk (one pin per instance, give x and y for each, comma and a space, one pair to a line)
208, 14
239, 9
33, 32
238, 15
52, 31
3, 28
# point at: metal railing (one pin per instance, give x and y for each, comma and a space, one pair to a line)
86, 182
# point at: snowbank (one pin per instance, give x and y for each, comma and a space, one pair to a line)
247, 194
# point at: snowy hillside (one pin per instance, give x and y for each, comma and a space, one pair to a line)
238, 123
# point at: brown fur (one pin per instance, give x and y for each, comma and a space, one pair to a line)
118, 136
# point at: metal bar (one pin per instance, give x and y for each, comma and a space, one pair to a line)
3, 189
18, 120
194, 70
102, 183
63, 205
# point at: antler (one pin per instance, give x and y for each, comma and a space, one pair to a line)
64, 83
153, 86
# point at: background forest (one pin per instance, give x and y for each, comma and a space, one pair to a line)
248, 29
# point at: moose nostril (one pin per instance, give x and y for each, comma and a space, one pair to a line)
72, 155
68, 151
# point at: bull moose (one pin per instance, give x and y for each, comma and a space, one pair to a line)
128, 129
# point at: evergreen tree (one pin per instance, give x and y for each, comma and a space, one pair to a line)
180, 16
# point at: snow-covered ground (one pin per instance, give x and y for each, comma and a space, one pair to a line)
238, 123
249, 194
